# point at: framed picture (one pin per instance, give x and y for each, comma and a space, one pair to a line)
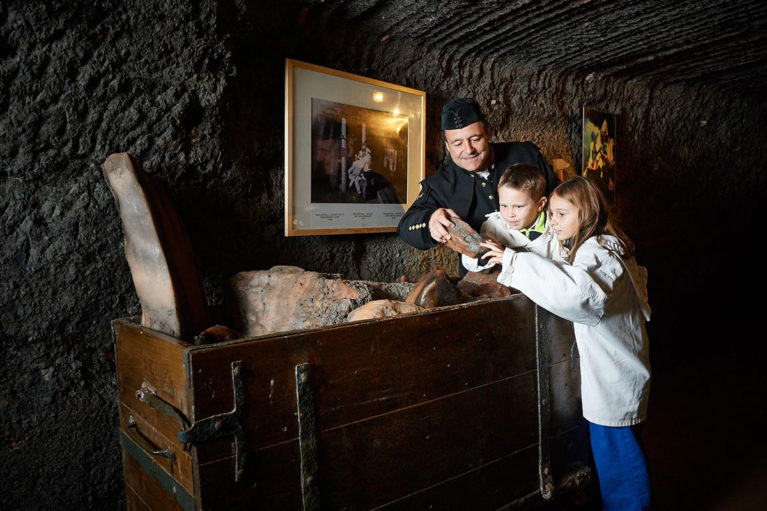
354, 151
599, 150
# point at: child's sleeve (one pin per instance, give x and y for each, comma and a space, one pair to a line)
473, 263
569, 291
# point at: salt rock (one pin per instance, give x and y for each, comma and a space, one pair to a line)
479, 285
433, 290
464, 239
158, 251
286, 298
382, 309
215, 334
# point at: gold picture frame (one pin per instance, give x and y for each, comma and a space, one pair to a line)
354, 151
599, 149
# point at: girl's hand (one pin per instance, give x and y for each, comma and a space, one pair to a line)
495, 252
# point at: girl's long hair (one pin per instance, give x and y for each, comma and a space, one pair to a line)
593, 214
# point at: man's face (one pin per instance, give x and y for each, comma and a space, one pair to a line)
469, 146
518, 209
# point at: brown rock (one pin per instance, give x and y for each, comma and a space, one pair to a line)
397, 291
217, 333
433, 290
479, 285
382, 309
289, 298
158, 252
464, 239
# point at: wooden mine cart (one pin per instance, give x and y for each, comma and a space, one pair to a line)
473, 406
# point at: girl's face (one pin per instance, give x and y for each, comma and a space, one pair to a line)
564, 218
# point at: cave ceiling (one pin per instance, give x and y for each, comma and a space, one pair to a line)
715, 43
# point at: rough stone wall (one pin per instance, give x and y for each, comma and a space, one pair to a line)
78, 81
194, 90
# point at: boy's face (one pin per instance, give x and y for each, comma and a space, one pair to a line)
564, 218
518, 209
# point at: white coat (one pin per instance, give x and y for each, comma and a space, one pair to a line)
606, 299
496, 229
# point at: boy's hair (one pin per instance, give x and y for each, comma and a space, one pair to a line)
593, 214
525, 177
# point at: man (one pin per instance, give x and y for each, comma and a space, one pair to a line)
465, 187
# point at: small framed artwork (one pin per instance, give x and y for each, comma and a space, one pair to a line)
599, 141
354, 151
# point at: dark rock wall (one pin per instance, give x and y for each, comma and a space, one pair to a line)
78, 81
194, 90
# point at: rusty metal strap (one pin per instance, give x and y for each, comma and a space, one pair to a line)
224, 424
307, 438
149, 396
168, 483
546, 480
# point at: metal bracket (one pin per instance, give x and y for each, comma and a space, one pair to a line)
160, 475
224, 424
148, 395
143, 441
307, 438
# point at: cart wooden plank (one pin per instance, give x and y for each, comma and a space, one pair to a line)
467, 406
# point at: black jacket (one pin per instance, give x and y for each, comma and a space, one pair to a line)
466, 193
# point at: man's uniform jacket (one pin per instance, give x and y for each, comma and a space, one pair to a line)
467, 193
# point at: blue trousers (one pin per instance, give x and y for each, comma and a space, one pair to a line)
624, 481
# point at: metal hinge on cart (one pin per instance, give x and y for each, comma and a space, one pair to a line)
209, 428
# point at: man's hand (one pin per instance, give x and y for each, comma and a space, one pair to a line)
439, 222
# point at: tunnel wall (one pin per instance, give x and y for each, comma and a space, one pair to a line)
194, 90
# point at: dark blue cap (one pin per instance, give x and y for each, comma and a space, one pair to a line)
461, 112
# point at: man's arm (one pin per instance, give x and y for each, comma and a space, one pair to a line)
413, 227
425, 223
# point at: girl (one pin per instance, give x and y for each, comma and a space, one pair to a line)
598, 286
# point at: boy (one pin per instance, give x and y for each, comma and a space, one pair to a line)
521, 222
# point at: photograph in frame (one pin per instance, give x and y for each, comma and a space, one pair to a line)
354, 151
599, 146
359, 155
